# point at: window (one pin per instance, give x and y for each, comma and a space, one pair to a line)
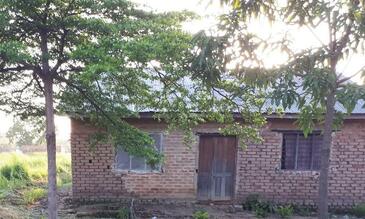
124, 161
300, 153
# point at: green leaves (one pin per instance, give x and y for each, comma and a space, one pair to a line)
101, 56
13, 52
306, 12
309, 117
208, 62
349, 95
248, 9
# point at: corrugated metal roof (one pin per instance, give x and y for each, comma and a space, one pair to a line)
189, 84
338, 107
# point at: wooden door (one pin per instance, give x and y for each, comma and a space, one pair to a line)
217, 164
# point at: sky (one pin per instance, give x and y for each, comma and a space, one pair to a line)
62, 124
209, 10
302, 38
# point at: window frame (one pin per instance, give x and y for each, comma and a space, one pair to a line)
145, 170
296, 149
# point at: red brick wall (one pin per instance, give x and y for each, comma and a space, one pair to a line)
97, 179
258, 168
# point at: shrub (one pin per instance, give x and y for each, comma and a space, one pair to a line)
251, 201
285, 211
15, 171
18, 170
261, 212
64, 179
3, 182
304, 211
260, 207
201, 214
34, 195
123, 213
359, 210
38, 174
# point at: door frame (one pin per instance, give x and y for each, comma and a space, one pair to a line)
217, 134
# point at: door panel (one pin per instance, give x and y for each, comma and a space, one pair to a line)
216, 167
205, 166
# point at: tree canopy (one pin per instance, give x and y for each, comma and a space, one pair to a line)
108, 60
27, 132
98, 52
91, 56
309, 78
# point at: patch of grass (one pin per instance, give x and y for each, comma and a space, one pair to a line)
33, 195
285, 211
20, 171
260, 207
304, 211
3, 182
123, 213
359, 210
261, 212
15, 171
201, 214
38, 172
251, 201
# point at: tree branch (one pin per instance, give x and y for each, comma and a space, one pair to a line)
345, 37
21, 91
12, 69
317, 37
36, 78
71, 69
226, 97
352, 76
86, 96
60, 59
46, 8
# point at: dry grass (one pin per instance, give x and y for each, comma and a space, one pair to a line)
23, 182
10, 213
33, 195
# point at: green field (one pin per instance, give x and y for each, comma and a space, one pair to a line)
23, 180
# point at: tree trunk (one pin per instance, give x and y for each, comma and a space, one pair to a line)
51, 148
325, 156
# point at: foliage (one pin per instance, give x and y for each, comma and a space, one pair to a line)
261, 212
308, 78
99, 55
93, 56
251, 201
27, 132
304, 211
254, 201
261, 207
15, 171
201, 214
3, 183
30, 170
285, 211
123, 213
33, 195
64, 172
359, 210
304, 79
15, 194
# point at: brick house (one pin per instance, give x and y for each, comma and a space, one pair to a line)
284, 168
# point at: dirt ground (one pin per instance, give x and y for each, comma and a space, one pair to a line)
69, 210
